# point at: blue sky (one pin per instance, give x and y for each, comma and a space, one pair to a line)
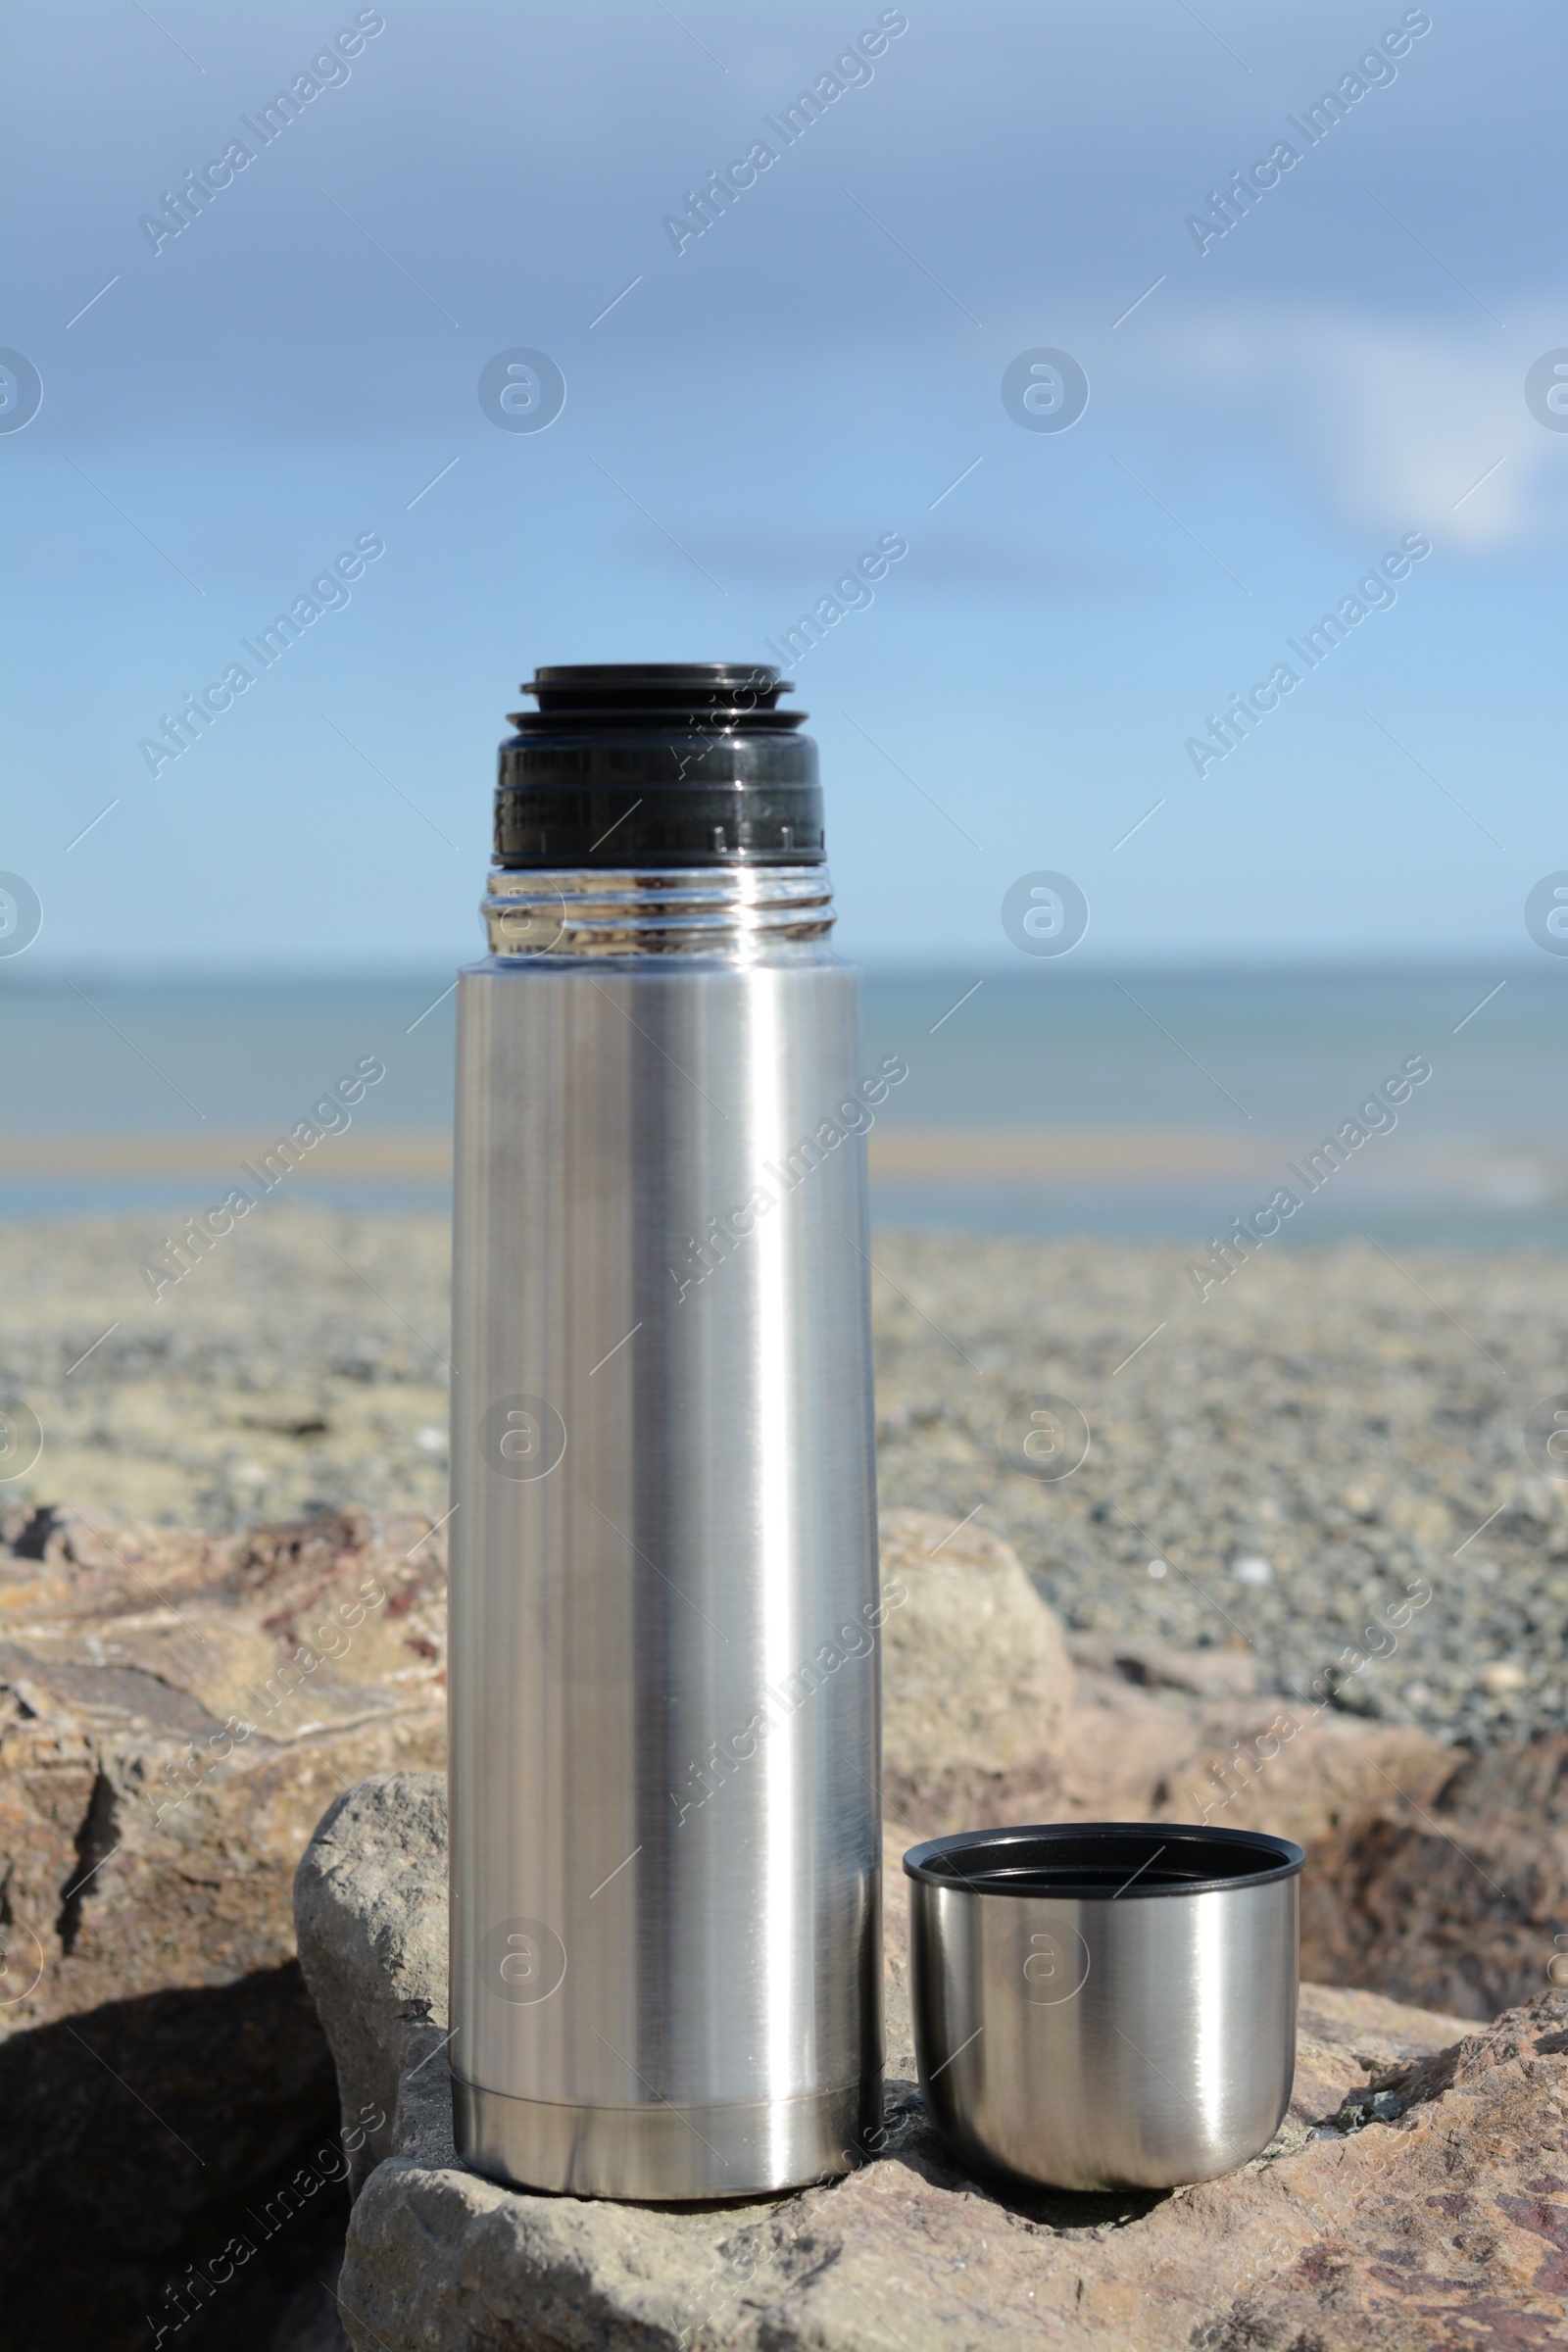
286, 377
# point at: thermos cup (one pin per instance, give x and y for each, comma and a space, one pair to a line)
1102, 2004
664, 1648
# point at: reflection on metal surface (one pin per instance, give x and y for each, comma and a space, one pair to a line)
663, 1609
1103, 2006
655, 911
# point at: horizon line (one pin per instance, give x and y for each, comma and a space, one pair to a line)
49, 978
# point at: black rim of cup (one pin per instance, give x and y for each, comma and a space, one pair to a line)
1105, 1860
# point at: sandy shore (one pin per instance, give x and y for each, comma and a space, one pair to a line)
1324, 1442
1503, 1174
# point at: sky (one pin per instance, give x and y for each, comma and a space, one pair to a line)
296, 376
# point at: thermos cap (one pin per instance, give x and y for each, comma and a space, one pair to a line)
657, 764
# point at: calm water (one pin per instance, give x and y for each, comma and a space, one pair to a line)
1154, 1104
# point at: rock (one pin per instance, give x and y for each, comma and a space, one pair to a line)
976, 1680
175, 1710
310, 2321
1369, 2107
1346, 2040
1226, 1672
162, 2066
1143, 1754
371, 1911
1446, 2224
987, 1720
1461, 1902
138, 2133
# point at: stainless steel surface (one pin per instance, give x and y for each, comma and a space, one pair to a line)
1136, 2035
665, 1631
656, 911
597, 2152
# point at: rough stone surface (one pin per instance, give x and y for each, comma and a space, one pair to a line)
148, 1868
166, 1746
976, 1679
371, 1908
175, 1710
1230, 1671
987, 1719
1447, 2226
1135, 1753
1464, 1903
1435, 1875
1276, 1482
162, 2069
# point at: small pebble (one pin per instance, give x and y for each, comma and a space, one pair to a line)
1503, 1674
1369, 2107
1252, 1569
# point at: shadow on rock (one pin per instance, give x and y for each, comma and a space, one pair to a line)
145, 2144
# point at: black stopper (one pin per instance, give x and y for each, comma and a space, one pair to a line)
659, 763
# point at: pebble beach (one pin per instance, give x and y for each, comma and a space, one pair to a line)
1324, 1462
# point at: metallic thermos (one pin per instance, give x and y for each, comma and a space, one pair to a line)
664, 1649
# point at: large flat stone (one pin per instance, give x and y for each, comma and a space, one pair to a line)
154, 2026
1448, 2226
175, 1711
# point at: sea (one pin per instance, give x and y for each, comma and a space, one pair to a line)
1139, 1103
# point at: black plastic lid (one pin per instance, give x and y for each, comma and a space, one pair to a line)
659, 763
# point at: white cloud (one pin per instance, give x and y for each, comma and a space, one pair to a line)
1396, 423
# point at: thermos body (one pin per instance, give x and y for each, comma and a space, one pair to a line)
665, 1617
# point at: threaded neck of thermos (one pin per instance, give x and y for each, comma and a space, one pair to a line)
749, 911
